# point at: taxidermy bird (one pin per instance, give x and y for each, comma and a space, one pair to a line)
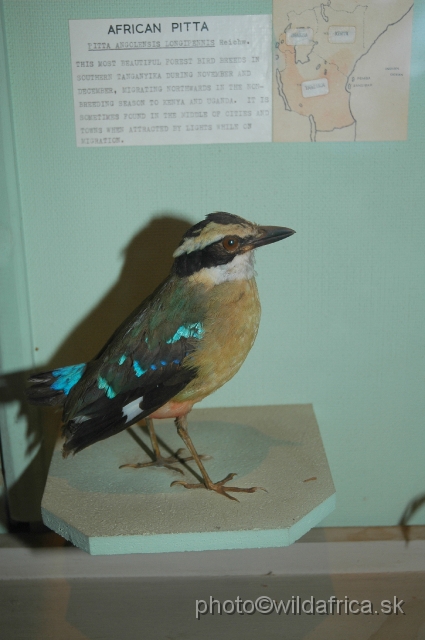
187, 339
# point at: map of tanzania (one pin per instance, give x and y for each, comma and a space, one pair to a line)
341, 70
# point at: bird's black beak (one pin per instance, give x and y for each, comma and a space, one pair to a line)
267, 236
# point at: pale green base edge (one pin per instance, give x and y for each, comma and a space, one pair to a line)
163, 543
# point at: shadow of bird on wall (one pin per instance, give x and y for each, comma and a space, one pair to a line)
147, 262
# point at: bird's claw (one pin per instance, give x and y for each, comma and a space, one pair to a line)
218, 487
159, 461
166, 463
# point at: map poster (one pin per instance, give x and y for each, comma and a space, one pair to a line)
341, 70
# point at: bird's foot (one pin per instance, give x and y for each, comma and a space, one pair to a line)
219, 487
166, 463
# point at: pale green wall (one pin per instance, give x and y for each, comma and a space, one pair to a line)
343, 300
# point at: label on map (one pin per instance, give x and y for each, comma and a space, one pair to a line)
150, 81
342, 35
299, 36
313, 88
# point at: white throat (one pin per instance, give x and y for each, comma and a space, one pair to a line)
240, 268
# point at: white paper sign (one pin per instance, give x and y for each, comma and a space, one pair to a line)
150, 81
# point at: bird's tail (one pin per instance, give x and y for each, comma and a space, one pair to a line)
52, 387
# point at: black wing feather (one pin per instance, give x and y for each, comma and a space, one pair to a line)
146, 359
103, 416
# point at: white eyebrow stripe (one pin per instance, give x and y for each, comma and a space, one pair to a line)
213, 232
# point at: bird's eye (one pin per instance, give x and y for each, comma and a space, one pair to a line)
231, 243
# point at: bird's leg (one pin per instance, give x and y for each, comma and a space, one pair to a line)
181, 424
158, 459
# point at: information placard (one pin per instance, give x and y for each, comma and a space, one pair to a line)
150, 81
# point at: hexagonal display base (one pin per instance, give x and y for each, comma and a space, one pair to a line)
106, 510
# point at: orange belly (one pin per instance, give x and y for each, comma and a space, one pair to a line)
172, 410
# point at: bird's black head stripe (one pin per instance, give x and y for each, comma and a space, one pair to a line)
212, 255
219, 217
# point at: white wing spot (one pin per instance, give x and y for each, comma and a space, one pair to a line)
132, 409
